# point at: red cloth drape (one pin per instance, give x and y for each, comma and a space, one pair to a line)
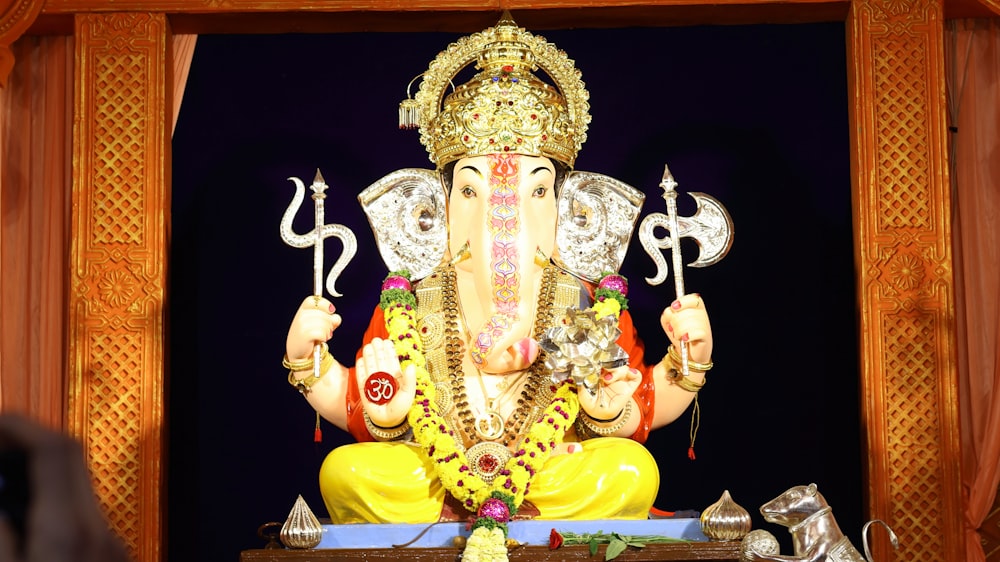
973, 69
35, 151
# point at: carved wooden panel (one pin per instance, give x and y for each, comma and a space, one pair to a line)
118, 266
903, 248
323, 16
208, 6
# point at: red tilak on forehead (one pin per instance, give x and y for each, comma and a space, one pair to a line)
504, 166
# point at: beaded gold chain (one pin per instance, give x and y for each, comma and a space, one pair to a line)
535, 389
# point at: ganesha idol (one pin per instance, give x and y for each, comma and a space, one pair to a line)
500, 375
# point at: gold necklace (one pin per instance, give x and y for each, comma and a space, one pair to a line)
535, 393
490, 423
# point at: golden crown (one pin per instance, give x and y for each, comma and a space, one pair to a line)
504, 108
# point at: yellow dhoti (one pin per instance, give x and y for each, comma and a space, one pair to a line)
612, 478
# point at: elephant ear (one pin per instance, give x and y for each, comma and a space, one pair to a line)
407, 213
597, 215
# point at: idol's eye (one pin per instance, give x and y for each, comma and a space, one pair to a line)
539, 191
468, 192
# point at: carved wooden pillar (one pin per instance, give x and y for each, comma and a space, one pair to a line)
118, 264
902, 215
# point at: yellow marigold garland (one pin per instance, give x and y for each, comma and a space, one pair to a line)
439, 441
607, 307
434, 435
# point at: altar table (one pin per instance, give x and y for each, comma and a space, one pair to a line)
726, 551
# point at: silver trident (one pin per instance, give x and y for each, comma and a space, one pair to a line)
315, 238
710, 226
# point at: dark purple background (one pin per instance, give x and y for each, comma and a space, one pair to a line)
753, 115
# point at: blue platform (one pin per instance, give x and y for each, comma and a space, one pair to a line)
370, 535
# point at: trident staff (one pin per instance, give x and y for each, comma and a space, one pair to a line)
315, 238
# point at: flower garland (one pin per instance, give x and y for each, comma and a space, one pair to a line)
494, 503
609, 297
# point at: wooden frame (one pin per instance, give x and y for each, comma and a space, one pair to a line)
121, 187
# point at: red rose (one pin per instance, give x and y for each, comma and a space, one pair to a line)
555, 540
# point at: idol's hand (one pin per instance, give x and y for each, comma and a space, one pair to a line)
686, 320
314, 323
386, 391
613, 393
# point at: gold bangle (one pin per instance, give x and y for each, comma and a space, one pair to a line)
685, 383
304, 385
305, 364
387, 433
588, 423
675, 356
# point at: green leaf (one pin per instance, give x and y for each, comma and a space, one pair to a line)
636, 544
593, 546
615, 547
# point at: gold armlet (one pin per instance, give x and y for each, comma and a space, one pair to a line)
591, 429
675, 356
304, 385
305, 364
675, 376
387, 433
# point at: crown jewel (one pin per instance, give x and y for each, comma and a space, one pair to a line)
504, 108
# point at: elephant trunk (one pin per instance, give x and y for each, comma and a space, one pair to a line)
504, 261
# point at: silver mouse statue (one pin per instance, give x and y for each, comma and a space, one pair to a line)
816, 536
